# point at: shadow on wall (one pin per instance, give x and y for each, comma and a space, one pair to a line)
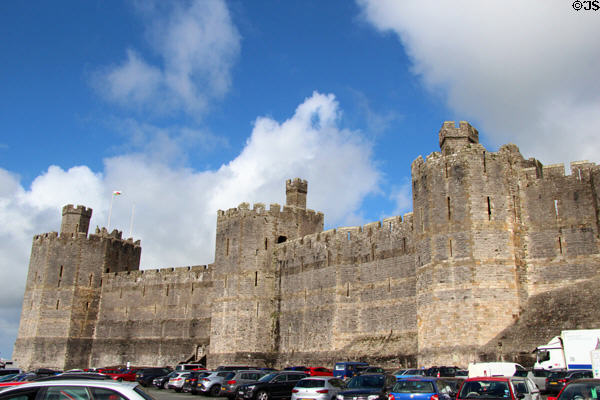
545, 316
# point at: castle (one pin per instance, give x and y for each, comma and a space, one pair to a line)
499, 254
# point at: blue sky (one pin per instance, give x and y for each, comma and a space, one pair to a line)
192, 106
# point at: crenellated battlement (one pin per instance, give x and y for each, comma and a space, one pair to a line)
79, 209
453, 138
579, 171
259, 210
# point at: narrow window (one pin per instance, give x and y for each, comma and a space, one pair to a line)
450, 246
389, 285
484, 166
257, 308
100, 281
255, 278
281, 239
556, 208
57, 303
107, 270
91, 278
167, 290
225, 282
347, 289
87, 305
449, 209
227, 248
489, 204
266, 242
61, 272
404, 244
419, 261
348, 236
121, 293
58, 283
373, 252
560, 245
446, 168
422, 220
391, 226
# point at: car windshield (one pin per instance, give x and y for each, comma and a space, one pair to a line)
483, 389
581, 391
413, 372
413, 387
366, 381
311, 383
267, 378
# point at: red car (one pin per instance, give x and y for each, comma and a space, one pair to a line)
319, 371
504, 388
120, 375
578, 390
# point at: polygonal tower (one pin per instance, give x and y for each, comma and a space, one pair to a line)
469, 273
245, 316
62, 291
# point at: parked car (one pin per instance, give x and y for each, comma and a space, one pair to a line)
538, 376
370, 370
509, 388
211, 383
441, 371
558, 379
128, 375
579, 390
161, 382
190, 385
319, 371
347, 369
272, 386
146, 376
79, 389
318, 388
234, 367
189, 367
176, 381
75, 375
371, 386
411, 373
229, 386
421, 389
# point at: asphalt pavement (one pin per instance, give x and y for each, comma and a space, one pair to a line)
172, 395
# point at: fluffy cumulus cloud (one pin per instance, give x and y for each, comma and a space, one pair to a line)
196, 45
523, 71
174, 208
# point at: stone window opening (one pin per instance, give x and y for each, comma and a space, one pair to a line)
281, 239
227, 248
348, 289
449, 209
556, 208
489, 208
266, 243
450, 246
560, 247
484, 164
91, 278
121, 293
107, 270
446, 168
404, 244
87, 305
255, 278
57, 303
389, 285
257, 308
167, 290
60, 272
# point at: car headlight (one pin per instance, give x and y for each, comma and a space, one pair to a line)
373, 397
339, 397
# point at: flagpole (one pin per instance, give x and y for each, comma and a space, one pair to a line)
112, 198
131, 221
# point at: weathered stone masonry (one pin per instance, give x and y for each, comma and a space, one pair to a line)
499, 254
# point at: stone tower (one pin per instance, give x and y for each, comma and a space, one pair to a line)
467, 245
63, 288
245, 309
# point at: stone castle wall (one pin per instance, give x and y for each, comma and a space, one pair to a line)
496, 248
153, 317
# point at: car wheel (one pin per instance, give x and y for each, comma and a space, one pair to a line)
215, 390
262, 395
165, 385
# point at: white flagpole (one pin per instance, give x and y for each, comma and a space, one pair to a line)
112, 198
131, 221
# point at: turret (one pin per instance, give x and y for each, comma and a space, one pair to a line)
295, 193
454, 138
75, 220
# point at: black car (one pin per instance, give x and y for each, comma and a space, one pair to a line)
367, 385
557, 380
441, 371
160, 382
276, 385
146, 376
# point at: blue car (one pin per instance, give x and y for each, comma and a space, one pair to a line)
426, 388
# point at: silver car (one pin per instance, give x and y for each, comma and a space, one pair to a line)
79, 389
230, 385
318, 388
211, 384
177, 380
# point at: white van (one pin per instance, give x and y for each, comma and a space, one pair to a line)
188, 367
494, 369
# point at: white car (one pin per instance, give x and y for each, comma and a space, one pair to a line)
76, 389
318, 388
177, 380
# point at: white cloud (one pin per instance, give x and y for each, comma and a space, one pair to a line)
522, 71
197, 45
176, 207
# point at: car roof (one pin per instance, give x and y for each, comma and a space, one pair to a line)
493, 378
320, 378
